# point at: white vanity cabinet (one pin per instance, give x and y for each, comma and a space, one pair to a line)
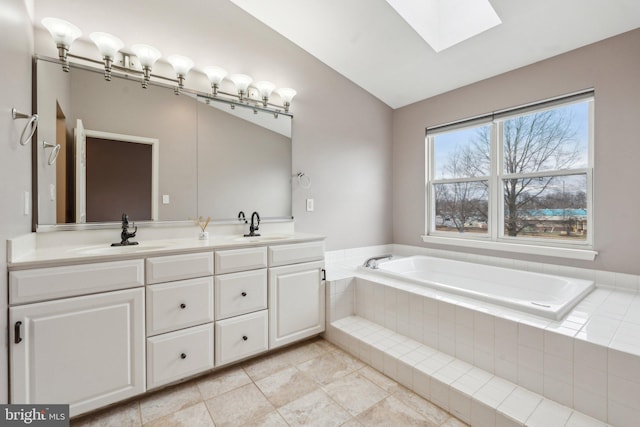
96, 333
87, 351
179, 313
241, 304
296, 292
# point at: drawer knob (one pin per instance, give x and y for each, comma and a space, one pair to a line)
183, 306
183, 356
244, 294
244, 338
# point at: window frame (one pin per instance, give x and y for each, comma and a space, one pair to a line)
496, 238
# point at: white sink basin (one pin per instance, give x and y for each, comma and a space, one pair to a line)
264, 238
113, 250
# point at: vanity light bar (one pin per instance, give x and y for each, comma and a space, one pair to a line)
64, 33
123, 72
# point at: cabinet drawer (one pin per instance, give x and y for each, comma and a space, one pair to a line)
177, 305
233, 260
240, 293
241, 336
295, 253
177, 267
40, 284
179, 354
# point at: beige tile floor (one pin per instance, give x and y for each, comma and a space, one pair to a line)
313, 383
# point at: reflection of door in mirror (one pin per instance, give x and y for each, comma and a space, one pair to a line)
115, 173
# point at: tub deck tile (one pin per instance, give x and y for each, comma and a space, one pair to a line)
476, 396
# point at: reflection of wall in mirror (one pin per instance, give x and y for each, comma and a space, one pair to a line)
53, 101
245, 166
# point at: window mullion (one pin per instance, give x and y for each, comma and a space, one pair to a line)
559, 172
458, 180
495, 204
429, 203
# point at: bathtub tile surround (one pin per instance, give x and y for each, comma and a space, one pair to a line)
585, 366
471, 394
275, 390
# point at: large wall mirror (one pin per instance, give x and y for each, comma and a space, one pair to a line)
176, 156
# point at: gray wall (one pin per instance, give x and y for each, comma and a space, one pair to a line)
241, 166
16, 47
612, 68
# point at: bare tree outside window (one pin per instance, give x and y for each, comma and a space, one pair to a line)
534, 143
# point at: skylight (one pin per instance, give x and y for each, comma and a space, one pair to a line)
444, 23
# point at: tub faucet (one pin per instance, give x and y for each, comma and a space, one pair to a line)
125, 235
373, 261
255, 223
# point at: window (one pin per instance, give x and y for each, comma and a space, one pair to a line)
517, 176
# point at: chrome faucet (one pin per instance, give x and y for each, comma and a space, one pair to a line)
373, 261
125, 235
255, 223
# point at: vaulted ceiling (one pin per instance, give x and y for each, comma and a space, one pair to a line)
366, 40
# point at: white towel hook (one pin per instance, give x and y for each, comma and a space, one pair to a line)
33, 123
54, 154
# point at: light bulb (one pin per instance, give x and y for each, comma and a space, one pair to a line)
108, 45
242, 82
287, 95
181, 65
63, 34
215, 76
147, 55
265, 89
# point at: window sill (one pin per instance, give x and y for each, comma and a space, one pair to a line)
551, 251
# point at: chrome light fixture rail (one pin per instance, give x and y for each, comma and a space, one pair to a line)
258, 99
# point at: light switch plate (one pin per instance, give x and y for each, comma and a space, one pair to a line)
165, 199
26, 203
309, 205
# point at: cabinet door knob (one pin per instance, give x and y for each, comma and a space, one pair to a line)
183, 306
244, 338
183, 356
244, 294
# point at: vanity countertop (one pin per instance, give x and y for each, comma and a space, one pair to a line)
24, 252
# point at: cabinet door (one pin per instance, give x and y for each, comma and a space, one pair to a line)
296, 303
85, 351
